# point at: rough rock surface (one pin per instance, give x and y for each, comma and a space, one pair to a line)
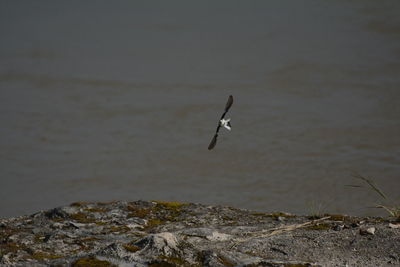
174, 234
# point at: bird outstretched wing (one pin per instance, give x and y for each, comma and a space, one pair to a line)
229, 103
227, 107
213, 142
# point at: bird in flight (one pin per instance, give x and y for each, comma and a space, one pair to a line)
222, 122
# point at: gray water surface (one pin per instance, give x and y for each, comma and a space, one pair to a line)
119, 100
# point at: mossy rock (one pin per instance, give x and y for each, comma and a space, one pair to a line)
164, 261
153, 223
170, 205
169, 211
91, 262
100, 210
79, 204
225, 261
45, 256
117, 229
138, 212
131, 248
82, 218
10, 247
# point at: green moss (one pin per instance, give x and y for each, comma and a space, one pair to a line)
164, 261
225, 261
131, 248
91, 262
227, 218
251, 253
8, 231
321, 226
106, 203
95, 210
138, 212
259, 214
56, 219
170, 205
82, 218
136, 235
9, 247
158, 214
153, 223
38, 238
79, 204
118, 229
169, 211
344, 218
44, 256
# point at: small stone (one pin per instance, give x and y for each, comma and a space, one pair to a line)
13, 238
6, 259
280, 218
216, 236
338, 227
77, 225
367, 231
354, 224
36, 230
134, 226
394, 226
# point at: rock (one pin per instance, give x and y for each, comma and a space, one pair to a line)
165, 244
367, 231
158, 233
56, 213
394, 226
338, 227
216, 236
77, 225
209, 234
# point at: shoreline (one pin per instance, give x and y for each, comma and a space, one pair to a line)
157, 233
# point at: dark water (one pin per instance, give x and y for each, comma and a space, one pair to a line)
118, 101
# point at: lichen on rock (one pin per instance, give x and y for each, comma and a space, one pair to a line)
160, 233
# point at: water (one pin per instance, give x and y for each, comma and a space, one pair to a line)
118, 101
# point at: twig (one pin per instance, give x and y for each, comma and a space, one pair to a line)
280, 230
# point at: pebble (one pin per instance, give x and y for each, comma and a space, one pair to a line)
367, 231
394, 226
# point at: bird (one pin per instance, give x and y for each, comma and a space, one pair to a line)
222, 122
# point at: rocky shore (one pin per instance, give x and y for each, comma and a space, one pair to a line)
177, 234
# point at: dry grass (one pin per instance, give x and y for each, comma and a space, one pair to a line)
391, 207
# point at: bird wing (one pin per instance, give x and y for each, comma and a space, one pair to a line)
227, 106
229, 103
213, 142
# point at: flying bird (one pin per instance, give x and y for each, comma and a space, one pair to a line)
222, 122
